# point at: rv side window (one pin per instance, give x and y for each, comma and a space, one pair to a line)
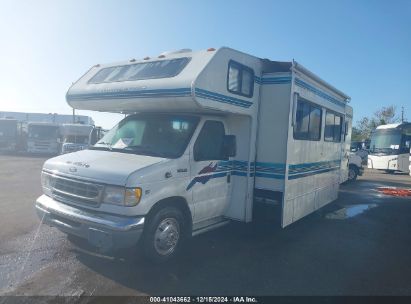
240, 79
333, 125
209, 143
308, 121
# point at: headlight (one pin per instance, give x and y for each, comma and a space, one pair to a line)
46, 183
122, 196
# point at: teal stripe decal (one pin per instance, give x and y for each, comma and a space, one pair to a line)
223, 98
272, 80
179, 92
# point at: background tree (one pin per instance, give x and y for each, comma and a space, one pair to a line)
383, 116
387, 115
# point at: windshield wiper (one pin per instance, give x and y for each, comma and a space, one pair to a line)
145, 149
109, 145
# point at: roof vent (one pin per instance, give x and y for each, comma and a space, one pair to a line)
176, 52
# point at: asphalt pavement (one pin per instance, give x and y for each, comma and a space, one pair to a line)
357, 245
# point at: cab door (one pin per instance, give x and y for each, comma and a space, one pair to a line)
210, 172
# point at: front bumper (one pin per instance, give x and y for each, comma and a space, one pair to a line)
104, 231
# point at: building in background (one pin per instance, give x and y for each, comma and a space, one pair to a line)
50, 117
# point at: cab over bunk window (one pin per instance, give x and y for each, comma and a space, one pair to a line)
333, 126
240, 79
140, 71
308, 121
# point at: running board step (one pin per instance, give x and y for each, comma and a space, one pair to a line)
211, 227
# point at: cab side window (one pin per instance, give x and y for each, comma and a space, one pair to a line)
209, 144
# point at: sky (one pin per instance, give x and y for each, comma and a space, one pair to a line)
362, 47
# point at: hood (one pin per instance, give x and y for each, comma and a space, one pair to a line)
101, 166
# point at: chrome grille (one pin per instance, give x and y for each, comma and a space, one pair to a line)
75, 191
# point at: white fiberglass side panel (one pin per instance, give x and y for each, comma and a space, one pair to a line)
210, 88
313, 165
273, 131
152, 94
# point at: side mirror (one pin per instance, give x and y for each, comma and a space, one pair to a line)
230, 146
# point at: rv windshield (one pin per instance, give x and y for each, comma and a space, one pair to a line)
154, 135
43, 132
385, 141
140, 71
76, 139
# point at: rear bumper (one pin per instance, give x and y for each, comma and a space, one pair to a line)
104, 231
360, 170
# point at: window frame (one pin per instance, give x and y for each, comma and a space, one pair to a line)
314, 105
341, 126
198, 137
241, 68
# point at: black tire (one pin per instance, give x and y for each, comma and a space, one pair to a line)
390, 171
352, 173
156, 241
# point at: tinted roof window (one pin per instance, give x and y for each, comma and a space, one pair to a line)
140, 71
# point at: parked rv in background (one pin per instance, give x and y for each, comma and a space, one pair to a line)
75, 137
8, 134
43, 138
41, 132
390, 148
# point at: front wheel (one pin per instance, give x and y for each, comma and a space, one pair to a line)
163, 234
352, 173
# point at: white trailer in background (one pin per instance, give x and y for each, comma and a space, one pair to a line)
8, 134
75, 137
207, 131
43, 138
390, 148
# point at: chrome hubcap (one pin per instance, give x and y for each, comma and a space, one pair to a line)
166, 236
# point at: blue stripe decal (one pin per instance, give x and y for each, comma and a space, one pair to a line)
272, 80
295, 176
179, 92
262, 169
222, 98
318, 92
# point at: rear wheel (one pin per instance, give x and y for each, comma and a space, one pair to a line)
163, 234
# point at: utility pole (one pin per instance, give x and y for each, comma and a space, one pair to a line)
402, 114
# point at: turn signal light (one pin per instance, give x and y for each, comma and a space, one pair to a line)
210, 49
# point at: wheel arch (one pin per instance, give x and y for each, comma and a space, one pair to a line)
177, 202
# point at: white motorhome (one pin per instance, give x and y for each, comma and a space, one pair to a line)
390, 148
207, 131
75, 137
43, 137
